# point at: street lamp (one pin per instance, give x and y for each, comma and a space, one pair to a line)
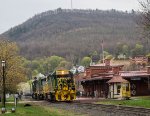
3, 67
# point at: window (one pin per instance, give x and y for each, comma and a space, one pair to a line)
118, 88
127, 86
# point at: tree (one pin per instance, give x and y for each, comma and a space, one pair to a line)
64, 64
95, 57
105, 54
86, 61
54, 61
125, 50
118, 49
138, 50
145, 18
15, 73
109, 57
45, 65
34, 73
148, 55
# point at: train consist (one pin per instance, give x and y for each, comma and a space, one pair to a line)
58, 86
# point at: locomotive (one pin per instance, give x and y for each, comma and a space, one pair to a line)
58, 86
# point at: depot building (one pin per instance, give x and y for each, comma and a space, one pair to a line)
107, 81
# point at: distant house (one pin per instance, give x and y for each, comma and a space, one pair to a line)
81, 69
77, 69
139, 60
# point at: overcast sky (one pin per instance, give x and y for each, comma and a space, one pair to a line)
14, 12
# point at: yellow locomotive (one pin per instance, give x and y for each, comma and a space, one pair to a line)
58, 86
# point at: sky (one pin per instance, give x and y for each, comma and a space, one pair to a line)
15, 12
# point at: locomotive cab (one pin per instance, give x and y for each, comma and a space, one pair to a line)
65, 89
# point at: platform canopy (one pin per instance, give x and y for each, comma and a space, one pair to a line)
117, 79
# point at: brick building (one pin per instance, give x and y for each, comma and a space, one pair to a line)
95, 78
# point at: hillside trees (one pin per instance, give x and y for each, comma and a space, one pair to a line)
144, 22
73, 35
106, 54
119, 48
65, 64
54, 61
138, 50
122, 49
46, 65
125, 50
145, 17
15, 73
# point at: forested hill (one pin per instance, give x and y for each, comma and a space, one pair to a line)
74, 33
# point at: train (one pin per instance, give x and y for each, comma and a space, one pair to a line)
57, 86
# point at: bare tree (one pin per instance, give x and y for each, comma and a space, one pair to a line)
145, 18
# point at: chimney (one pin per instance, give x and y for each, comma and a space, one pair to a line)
116, 69
107, 62
148, 69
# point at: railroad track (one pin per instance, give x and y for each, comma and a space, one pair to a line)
117, 108
103, 110
91, 109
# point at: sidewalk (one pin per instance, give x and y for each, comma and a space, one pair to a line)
88, 99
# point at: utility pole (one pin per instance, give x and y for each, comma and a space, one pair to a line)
102, 50
71, 5
3, 67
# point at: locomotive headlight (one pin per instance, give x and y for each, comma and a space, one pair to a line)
62, 72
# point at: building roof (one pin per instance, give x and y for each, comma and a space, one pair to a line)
117, 79
96, 78
124, 74
134, 74
100, 72
103, 65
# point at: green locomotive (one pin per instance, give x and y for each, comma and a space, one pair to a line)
37, 87
58, 86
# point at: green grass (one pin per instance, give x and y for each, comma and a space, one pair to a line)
10, 99
138, 102
36, 111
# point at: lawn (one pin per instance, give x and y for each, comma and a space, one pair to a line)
36, 111
10, 99
138, 102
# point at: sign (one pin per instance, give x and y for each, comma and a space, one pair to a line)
136, 78
62, 72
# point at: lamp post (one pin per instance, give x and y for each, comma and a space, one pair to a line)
3, 67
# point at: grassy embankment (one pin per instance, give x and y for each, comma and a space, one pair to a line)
10, 99
138, 102
35, 111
